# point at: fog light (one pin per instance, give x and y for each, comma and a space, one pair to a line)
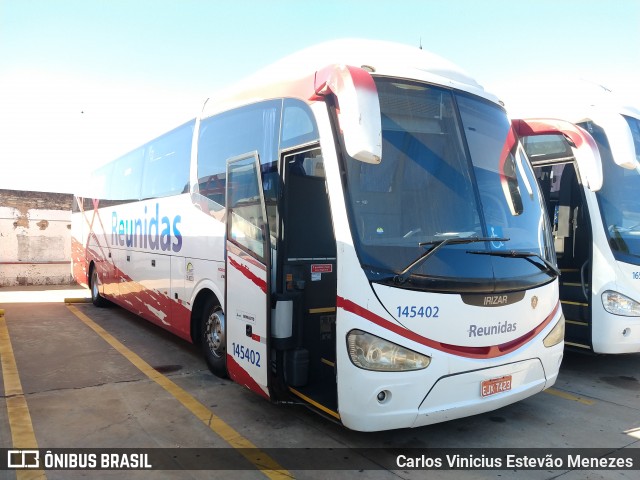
384, 396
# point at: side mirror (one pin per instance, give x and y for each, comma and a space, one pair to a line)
582, 144
358, 109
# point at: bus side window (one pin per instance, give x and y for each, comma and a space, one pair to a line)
228, 134
126, 177
99, 185
167, 159
298, 125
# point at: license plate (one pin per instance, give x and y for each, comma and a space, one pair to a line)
495, 385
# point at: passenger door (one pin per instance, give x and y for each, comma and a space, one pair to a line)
559, 177
248, 275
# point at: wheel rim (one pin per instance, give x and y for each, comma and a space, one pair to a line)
215, 333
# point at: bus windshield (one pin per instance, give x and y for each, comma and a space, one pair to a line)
618, 197
634, 126
450, 169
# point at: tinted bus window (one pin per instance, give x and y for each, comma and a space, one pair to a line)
298, 125
126, 176
229, 134
166, 169
99, 184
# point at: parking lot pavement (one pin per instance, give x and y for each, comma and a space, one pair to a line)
104, 378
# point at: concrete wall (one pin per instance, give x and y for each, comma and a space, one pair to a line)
35, 238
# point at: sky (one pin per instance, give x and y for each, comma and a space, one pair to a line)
84, 81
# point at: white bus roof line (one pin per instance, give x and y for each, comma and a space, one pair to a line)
384, 58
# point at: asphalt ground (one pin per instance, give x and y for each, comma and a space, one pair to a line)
93, 380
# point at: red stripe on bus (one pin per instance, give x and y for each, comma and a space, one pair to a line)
262, 284
245, 256
242, 377
490, 351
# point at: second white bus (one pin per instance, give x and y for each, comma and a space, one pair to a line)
595, 211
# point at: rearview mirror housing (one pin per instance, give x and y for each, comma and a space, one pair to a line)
358, 109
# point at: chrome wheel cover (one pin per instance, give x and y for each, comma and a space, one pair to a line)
214, 333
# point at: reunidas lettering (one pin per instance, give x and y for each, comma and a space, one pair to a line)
484, 331
155, 232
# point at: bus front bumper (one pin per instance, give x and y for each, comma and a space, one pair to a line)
415, 401
525, 378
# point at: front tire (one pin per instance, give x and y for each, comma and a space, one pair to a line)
94, 285
213, 338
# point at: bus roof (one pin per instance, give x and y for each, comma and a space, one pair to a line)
294, 74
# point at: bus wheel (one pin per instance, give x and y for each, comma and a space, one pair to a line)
97, 299
214, 340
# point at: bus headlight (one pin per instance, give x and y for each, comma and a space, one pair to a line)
619, 304
374, 353
556, 335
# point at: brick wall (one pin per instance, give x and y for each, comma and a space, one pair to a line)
35, 238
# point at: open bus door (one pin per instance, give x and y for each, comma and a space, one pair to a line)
305, 336
568, 211
564, 170
248, 275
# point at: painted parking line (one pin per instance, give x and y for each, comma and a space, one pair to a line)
569, 396
22, 435
263, 462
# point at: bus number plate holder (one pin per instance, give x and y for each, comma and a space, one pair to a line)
495, 385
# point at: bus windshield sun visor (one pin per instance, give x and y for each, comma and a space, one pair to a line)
436, 245
548, 266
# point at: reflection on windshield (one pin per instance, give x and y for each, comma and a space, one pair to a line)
634, 126
451, 168
511, 202
618, 198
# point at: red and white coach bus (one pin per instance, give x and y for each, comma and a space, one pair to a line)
356, 227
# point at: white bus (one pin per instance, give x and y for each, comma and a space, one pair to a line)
356, 228
596, 225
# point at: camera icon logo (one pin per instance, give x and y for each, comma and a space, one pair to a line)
23, 459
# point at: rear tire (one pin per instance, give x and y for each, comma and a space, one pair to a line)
94, 285
213, 338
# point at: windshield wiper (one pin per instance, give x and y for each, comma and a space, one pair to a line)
402, 277
526, 255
